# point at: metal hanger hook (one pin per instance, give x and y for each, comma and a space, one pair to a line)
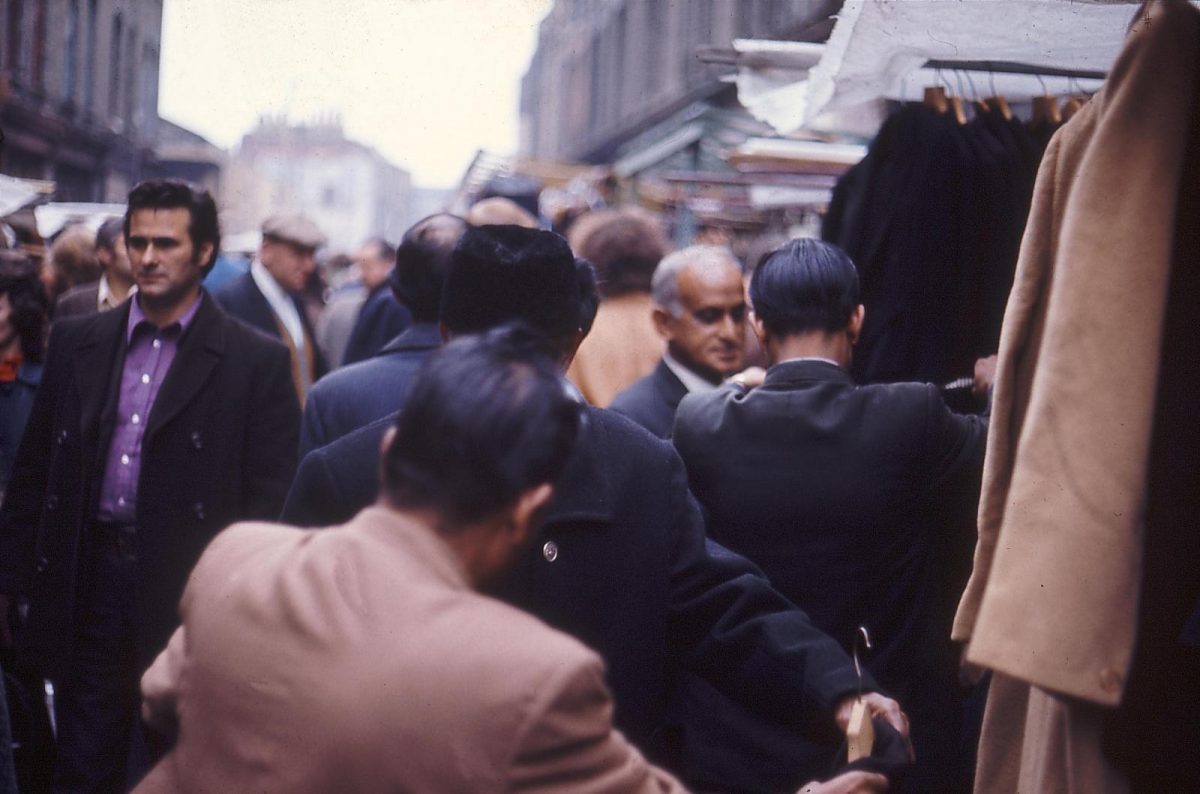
865, 637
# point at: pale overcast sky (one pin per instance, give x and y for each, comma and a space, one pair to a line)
426, 82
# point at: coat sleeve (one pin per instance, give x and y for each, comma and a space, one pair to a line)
732, 628
272, 436
313, 432
567, 742
26, 491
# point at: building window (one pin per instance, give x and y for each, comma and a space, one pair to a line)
114, 66
71, 62
89, 69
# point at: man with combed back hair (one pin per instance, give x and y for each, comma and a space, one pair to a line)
359, 659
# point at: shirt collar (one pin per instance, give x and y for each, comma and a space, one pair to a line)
275, 294
137, 318
810, 358
104, 294
695, 384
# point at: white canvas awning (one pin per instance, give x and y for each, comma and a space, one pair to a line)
880, 49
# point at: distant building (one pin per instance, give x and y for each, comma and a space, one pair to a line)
182, 154
79, 93
347, 187
618, 81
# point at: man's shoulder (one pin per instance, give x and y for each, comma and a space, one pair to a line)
379, 371
78, 300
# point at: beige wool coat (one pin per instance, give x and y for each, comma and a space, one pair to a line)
1052, 603
356, 659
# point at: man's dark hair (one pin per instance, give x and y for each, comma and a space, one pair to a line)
488, 418
805, 285
30, 306
165, 194
499, 274
106, 235
422, 259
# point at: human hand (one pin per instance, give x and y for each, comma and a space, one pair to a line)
749, 378
848, 783
878, 706
985, 374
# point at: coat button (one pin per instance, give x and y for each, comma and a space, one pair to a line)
198, 509
62, 437
42, 564
1110, 680
197, 441
550, 551
52, 502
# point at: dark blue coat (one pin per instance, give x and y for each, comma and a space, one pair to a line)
380, 320
352, 396
242, 299
651, 401
622, 563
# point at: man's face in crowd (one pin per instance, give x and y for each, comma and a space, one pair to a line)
290, 264
373, 267
709, 333
116, 261
167, 268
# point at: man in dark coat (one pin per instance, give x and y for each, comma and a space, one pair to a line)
350, 397
381, 318
266, 297
156, 425
620, 560
857, 501
700, 310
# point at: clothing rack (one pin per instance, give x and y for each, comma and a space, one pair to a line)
1013, 67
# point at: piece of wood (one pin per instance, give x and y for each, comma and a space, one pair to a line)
860, 733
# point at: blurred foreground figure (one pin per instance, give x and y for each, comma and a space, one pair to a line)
700, 310
23, 314
359, 658
156, 424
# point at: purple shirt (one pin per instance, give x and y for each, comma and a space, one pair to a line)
148, 356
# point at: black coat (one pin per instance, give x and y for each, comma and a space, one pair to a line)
354, 395
622, 563
651, 401
381, 319
219, 446
242, 299
858, 502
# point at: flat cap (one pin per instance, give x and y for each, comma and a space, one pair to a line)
298, 230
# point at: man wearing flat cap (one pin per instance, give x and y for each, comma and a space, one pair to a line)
265, 297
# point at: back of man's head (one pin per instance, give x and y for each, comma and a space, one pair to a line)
804, 286
422, 260
488, 419
624, 245
500, 274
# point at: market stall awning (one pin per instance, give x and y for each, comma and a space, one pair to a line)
893, 48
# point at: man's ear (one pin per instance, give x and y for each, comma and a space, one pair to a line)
527, 507
662, 322
206, 252
760, 331
854, 329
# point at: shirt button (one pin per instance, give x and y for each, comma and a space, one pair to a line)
121, 501
136, 419
550, 551
157, 344
145, 378
124, 460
